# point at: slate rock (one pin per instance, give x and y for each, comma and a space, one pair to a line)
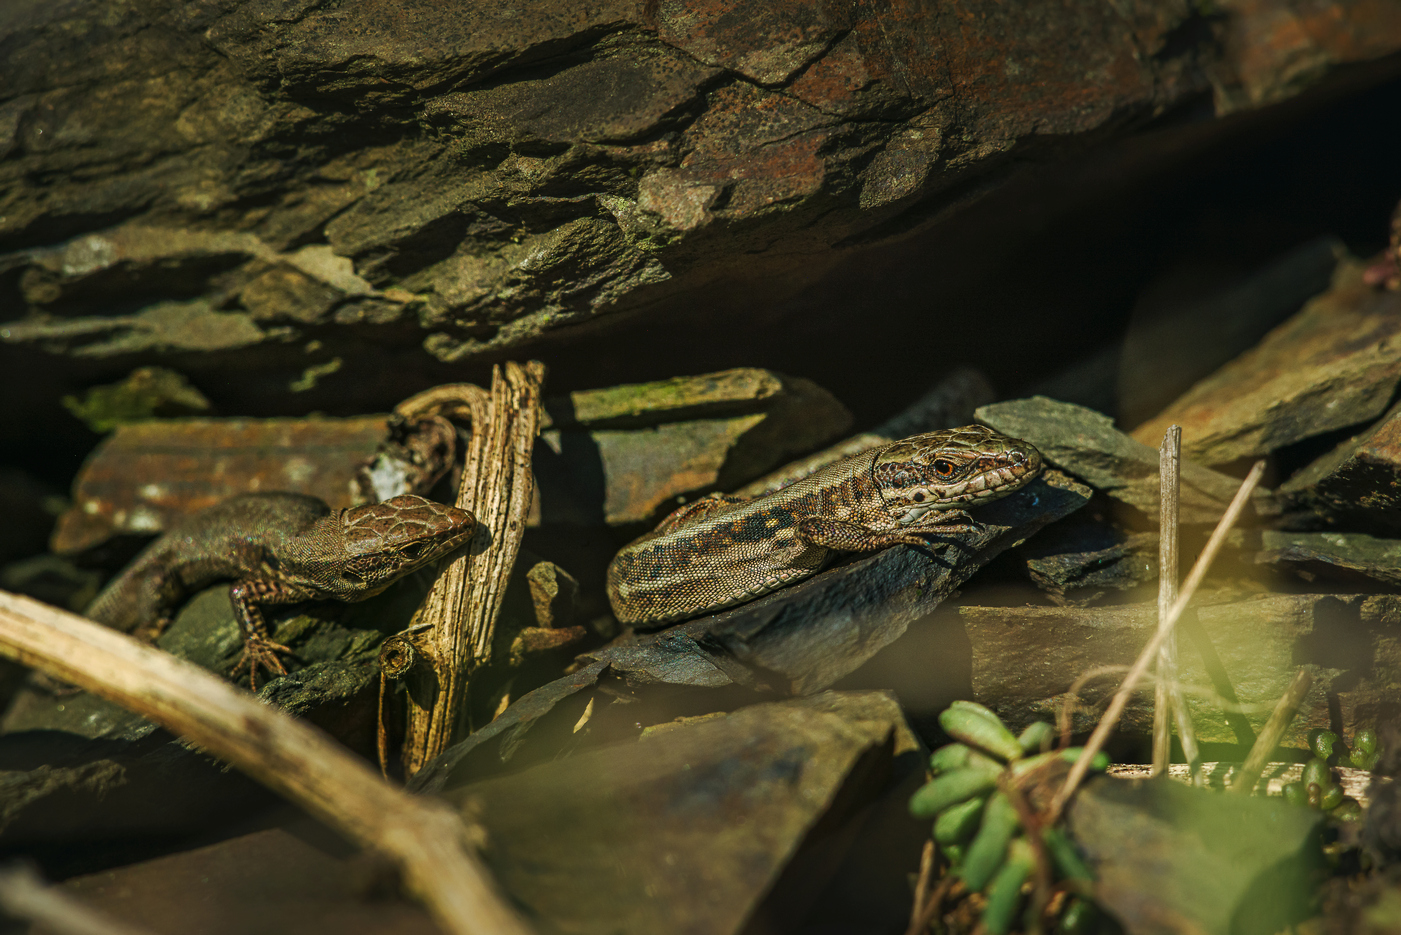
74, 803
1077, 563
1170, 858
1328, 367
688, 828
145, 474
1175, 340
804, 637
1358, 483
1351, 557
146, 393
1025, 659
623, 454
1085, 444
492, 175
293, 879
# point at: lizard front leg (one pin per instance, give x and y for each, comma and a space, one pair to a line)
843, 536
259, 651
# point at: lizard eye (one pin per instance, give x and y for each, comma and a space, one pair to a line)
943, 468
351, 577
414, 550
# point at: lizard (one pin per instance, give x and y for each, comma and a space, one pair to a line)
278, 548
719, 550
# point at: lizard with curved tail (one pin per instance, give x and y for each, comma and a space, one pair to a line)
278, 548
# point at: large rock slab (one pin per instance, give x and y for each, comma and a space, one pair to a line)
300, 187
1330, 366
688, 828
1025, 659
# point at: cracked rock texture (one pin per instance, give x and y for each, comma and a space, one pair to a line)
270, 194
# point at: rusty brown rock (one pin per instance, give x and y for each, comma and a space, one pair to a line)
1330, 366
147, 473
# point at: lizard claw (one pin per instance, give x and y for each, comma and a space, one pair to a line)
258, 654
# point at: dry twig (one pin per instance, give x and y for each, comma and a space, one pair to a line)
453, 630
1168, 700
1269, 737
1149, 653
427, 839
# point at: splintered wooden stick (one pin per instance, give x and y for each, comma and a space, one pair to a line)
1168, 702
427, 839
453, 630
1150, 652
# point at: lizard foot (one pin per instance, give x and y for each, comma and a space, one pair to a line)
258, 654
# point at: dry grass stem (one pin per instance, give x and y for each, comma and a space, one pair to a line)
1272, 732
926, 875
933, 904
455, 625
25, 895
1168, 701
1150, 652
426, 838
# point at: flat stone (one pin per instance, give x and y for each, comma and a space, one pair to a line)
1025, 659
1085, 444
1358, 483
1350, 557
804, 637
625, 454
1077, 563
289, 880
1173, 858
689, 827
1328, 367
146, 474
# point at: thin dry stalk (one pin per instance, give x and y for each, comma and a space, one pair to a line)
933, 904
926, 874
455, 625
25, 895
1269, 737
428, 840
1121, 698
1168, 700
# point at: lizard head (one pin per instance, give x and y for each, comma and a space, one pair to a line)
385, 541
952, 469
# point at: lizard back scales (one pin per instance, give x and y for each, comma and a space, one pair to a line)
720, 551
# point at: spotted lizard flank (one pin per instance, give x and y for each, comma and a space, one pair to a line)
720, 551
278, 548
